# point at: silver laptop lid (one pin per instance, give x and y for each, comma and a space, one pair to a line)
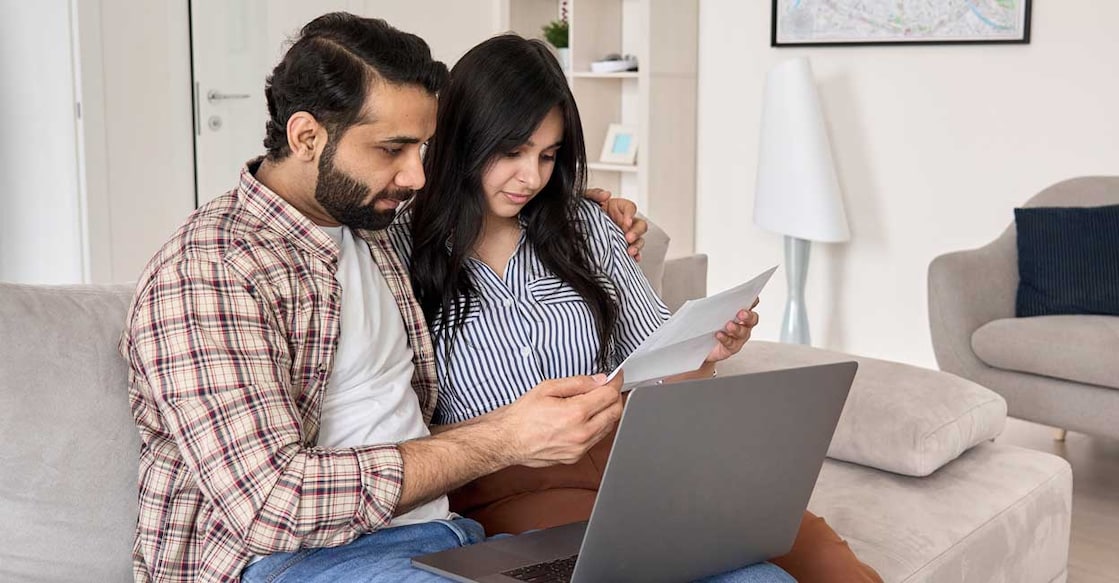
706, 476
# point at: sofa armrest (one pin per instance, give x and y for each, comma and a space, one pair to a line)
968, 289
685, 278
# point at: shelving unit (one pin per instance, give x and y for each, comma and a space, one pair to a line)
605, 167
659, 99
590, 75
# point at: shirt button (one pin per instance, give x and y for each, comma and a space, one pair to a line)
526, 351
507, 302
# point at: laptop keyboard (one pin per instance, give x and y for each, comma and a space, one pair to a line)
557, 571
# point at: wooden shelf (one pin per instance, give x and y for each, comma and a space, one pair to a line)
590, 75
604, 167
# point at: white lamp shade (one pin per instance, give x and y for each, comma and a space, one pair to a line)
798, 192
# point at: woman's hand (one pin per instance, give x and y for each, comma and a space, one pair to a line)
734, 335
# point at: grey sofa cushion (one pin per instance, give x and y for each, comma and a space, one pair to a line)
653, 257
1084, 349
997, 513
685, 278
898, 418
68, 485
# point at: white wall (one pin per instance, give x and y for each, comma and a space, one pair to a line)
41, 239
935, 146
450, 28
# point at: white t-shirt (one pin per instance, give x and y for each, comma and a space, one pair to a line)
369, 398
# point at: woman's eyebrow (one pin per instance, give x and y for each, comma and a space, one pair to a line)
531, 144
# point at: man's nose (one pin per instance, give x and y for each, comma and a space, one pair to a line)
411, 176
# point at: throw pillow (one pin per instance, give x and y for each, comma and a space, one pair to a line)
1068, 260
898, 418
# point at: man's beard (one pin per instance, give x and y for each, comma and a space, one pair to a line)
343, 197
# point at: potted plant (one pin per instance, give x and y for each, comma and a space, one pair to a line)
555, 32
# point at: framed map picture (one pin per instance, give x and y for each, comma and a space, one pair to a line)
899, 22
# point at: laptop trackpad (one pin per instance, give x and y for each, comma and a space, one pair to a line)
550, 543
495, 556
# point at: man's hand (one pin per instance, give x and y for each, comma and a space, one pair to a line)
734, 335
554, 423
624, 214
559, 420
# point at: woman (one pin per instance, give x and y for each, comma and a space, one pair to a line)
520, 278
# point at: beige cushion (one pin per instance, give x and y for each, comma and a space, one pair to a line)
653, 256
69, 461
898, 418
997, 514
685, 278
1084, 349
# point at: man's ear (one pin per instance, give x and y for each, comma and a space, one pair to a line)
306, 136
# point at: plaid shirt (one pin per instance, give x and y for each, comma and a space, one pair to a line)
230, 340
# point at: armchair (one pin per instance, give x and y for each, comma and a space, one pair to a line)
1056, 370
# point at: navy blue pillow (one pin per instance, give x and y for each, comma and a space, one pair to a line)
1068, 260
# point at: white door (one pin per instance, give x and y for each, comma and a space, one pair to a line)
236, 43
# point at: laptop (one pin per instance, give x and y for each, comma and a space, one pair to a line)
705, 477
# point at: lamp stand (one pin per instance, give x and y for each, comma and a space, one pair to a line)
794, 327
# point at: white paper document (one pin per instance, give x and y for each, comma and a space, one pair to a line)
684, 341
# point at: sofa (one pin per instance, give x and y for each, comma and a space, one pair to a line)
913, 481
1057, 370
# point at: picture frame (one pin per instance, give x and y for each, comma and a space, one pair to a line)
801, 23
620, 146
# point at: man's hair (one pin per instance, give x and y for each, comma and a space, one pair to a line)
330, 66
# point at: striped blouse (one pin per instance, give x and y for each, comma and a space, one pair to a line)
530, 326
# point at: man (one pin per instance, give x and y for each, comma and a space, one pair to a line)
265, 357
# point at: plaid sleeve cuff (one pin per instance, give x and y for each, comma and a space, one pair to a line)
382, 479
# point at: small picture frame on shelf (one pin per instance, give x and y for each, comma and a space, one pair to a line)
620, 146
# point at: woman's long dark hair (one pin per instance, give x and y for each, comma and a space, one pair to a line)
499, 92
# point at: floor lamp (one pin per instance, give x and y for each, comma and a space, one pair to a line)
797, 194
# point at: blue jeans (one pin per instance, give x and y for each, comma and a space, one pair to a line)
385, 556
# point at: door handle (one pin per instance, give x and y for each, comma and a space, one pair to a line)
214, 95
